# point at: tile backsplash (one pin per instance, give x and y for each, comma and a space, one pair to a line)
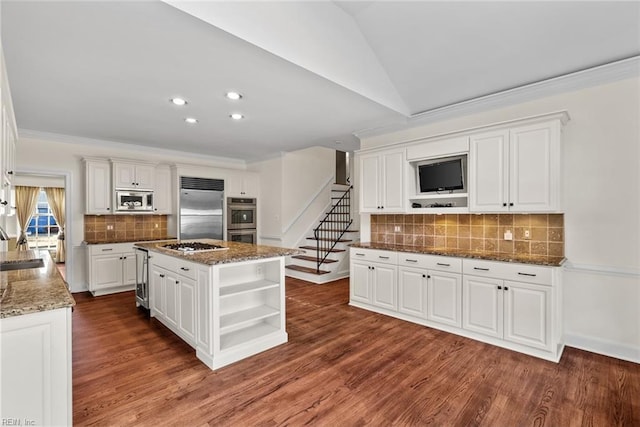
114, 228
484, 232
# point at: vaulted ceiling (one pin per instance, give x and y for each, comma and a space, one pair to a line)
311, 73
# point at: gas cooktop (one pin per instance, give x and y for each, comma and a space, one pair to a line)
194, 247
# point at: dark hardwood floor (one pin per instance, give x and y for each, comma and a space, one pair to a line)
342, 366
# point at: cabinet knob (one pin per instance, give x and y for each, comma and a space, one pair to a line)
424, 275
108, 208
428, 276
504, 204
177, 282
510, 204
124, 257
120, 258
506, 288
10, 172
499, 288
162, 275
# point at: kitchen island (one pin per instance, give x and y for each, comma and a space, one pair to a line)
228, 304
35, 338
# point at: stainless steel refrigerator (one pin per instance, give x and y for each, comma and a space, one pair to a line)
201, 214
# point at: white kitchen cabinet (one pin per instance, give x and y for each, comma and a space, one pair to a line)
187, 308
516, 306
35, 385
8, 141
516, 169
164, 191
157, 304
133, 176
112, 268
382, 182
97, 187
242, 184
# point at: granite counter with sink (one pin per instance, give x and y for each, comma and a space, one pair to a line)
32, 288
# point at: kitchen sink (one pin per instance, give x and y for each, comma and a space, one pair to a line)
21, 265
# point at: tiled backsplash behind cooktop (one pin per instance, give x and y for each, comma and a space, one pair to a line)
125, 228
483, 232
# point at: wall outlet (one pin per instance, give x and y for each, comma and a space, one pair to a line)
508, 235
156, 225
396, 228
109, 227
259, 270
527, 235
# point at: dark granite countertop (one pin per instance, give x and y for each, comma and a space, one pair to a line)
34, 289
107, 242
551, 261
237, 252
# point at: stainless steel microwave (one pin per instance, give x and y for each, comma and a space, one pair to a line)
130, 201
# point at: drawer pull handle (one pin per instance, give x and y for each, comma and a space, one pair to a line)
359, 254
162, 275
527, 274
184, 269
481, 269
443, 264
104, 250
383, 257
411, 260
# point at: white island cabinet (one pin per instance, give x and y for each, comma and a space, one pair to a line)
227, 311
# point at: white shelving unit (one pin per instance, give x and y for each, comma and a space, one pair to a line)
459, 203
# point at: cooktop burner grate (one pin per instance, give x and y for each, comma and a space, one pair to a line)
191, 247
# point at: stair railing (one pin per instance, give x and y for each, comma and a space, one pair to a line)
332, 227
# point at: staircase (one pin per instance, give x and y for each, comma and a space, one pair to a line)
326, 248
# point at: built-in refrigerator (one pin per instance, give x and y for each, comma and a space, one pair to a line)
201, 214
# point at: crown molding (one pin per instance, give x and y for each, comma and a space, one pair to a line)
595, 76
79, 140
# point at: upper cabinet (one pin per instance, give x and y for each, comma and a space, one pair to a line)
8, 141
163, 192
97, 187
133, 176
382, 182
242, 184
516, 169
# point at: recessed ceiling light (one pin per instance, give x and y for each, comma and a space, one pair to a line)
178, 101
236, 116
233, 95
191, 120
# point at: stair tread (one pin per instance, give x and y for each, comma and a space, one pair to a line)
306, 269
313, 259
322, 239
313, 248
339, 230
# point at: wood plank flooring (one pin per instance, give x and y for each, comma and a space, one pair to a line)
342, 366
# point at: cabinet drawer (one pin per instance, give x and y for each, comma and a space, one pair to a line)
508, 271
111, 248
431, 262
374, 255
175, 265
186, 269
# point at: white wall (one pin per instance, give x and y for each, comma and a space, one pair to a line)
53, 153
601, 189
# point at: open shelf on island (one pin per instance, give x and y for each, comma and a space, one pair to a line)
239, 318
247, 287
242, 336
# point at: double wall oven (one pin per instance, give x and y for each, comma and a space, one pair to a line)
242, 220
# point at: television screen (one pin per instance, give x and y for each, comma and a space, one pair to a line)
441, 176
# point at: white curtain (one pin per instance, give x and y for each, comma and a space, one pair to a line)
26, 202
55, 198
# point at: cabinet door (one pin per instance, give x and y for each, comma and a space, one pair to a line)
124, 175
145, 177
171, 287
393, 182
482, 305
156, 291
129, 268
444, 298
163, 193
98, 188
370, 183
187, 316
534, 164
385, 286
527, 314
106, 271
489, 172
250, 184
360, 282
412, 291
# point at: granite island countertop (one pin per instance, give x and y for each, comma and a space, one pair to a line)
237, 252
550, 261
34, 289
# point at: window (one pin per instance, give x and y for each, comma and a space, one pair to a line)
42, 231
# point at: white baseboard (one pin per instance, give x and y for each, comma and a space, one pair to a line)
606, 348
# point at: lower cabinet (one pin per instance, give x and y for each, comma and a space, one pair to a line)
475, 298
35, 385
112, 268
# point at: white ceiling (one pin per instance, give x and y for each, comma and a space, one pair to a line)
311, 73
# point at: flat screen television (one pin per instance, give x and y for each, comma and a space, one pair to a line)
442, 175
